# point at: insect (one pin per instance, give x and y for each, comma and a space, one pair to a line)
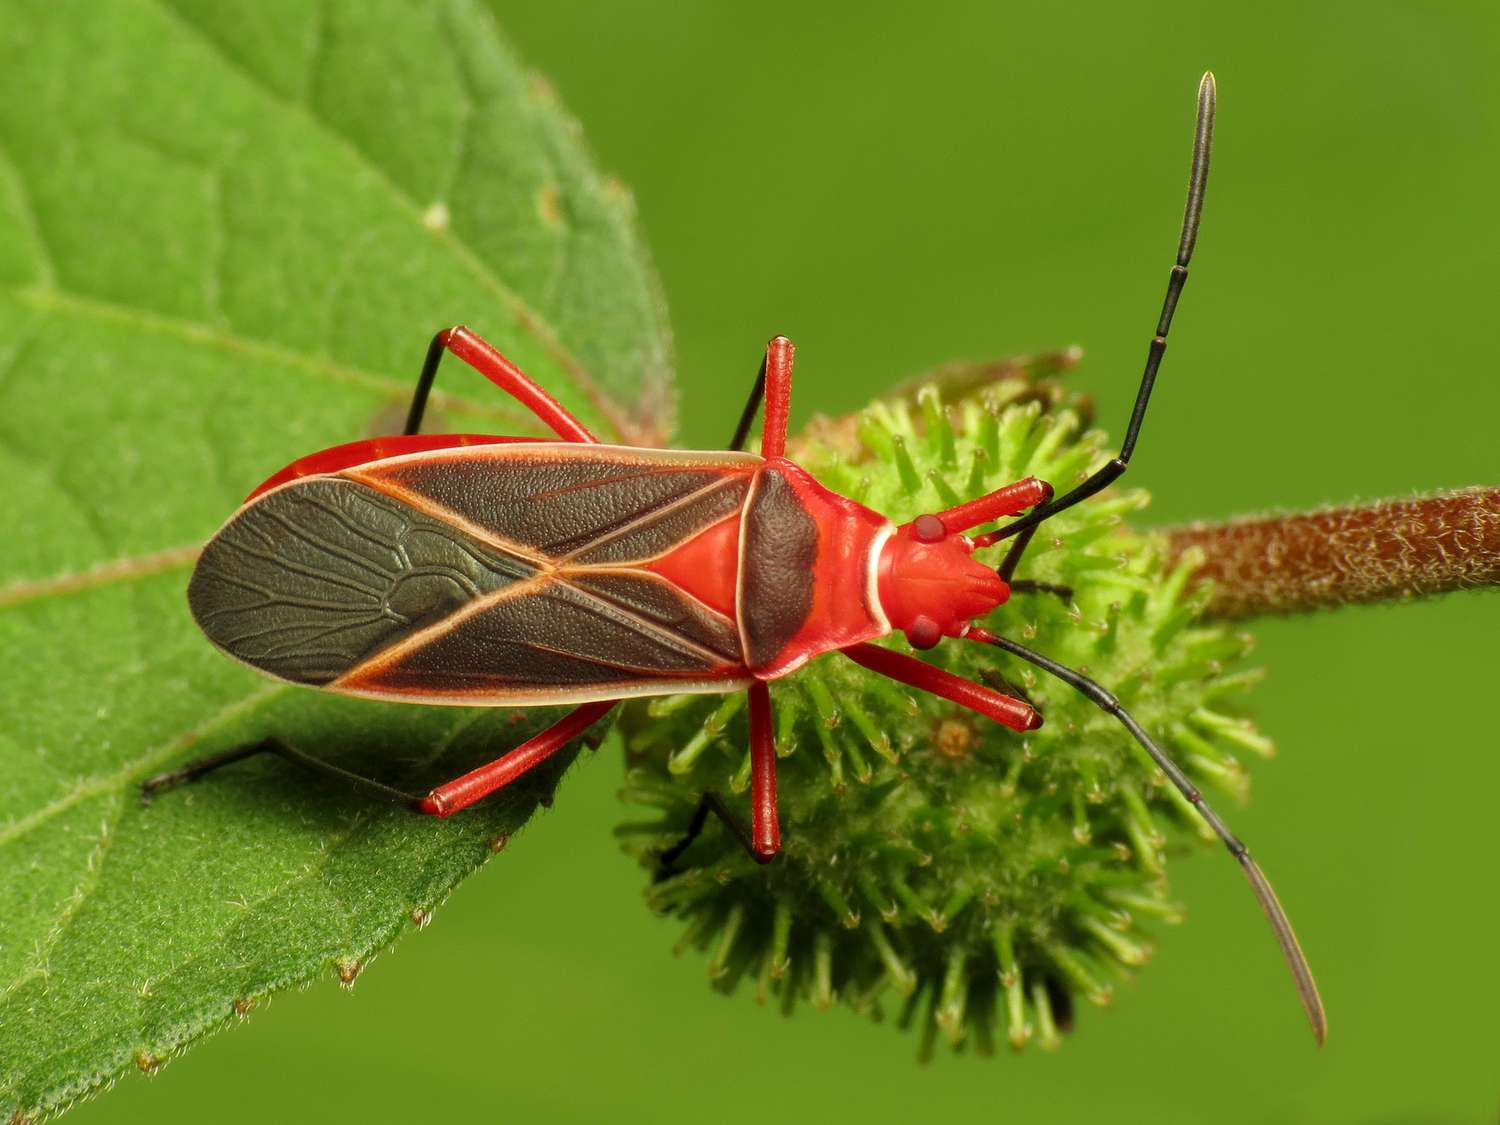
504, 571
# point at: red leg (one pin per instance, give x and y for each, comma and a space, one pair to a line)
1007, 501
765, 828
773, 384
779, 353
478, 784
498, 370
1012, 713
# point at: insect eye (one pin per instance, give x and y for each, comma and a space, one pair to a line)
923, 632
928, 529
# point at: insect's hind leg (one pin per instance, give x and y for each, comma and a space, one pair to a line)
444, 800
460, 793
498, 370
200, 767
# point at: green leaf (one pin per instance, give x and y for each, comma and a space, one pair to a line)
227, 231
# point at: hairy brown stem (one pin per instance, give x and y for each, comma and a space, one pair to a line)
1386, 551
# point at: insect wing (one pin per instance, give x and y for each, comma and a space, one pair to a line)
507, 574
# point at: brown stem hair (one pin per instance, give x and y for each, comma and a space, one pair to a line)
1389, 550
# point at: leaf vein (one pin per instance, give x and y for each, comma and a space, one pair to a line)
318, 862
86, 886
45, 261
116, 781
61, 301
529, 319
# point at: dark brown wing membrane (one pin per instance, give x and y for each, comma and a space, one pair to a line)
652, 599
573, 503
548, 637
317, 576
492, 575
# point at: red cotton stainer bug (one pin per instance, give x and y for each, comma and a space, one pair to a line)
503, 571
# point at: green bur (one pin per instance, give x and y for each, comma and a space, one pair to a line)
973, 880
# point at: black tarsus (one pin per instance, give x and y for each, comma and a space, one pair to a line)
435, 352
708, 802
207, 764
1193, 210
210, 762
1286, 937
1029, 586
1012, 558
752, 404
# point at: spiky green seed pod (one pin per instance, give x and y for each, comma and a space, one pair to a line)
980, 879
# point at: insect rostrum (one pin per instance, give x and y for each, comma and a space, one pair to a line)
937, 866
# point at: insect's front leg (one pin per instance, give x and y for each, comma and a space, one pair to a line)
1014, 713
1029, 586
1012, 558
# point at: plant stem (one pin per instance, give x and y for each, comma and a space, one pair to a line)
1389, 550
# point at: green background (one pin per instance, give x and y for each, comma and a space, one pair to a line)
892, 190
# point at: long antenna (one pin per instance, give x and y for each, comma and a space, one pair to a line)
1286, 937
1203, 137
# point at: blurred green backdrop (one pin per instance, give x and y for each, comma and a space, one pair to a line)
893, 189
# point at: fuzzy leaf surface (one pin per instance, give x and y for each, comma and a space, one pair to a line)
227, 231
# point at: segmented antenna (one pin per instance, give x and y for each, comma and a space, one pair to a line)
1203, 136
1286, 937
